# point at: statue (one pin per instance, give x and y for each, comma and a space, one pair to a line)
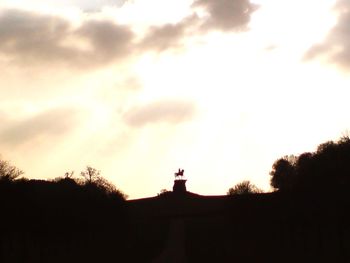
179, 183
179, 174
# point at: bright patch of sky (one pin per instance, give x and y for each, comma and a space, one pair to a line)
141, 88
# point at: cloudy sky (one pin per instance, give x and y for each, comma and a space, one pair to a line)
140, 88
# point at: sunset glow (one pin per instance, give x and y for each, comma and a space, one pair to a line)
140, 88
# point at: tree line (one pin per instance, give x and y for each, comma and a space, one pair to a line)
85, 218
326, 169
67, 219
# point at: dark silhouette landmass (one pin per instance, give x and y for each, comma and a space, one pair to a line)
265, 227
70, 220
63, 221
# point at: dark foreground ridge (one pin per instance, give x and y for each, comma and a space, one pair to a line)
67, 221
270, 227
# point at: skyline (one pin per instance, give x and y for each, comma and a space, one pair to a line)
138, 89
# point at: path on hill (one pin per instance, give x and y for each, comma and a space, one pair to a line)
174, 250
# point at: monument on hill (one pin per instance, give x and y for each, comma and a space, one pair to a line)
179, 183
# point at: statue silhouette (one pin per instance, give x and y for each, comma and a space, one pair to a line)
179, 174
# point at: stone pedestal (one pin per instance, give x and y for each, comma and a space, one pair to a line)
179, 186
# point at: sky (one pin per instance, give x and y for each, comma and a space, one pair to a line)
140, 88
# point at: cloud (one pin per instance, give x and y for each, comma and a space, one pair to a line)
28, 38
85, 5
48, 124
167, 111
109, 41
159, 38
336, 46
226, 15
91, 5
220, 15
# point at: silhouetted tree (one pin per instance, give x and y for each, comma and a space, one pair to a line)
93, 179
163, 192
283, 173
327, 167
8, 172
90, 174
109, 187
245, 187
69, 174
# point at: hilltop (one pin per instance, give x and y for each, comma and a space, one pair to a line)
267, 227
63, 221
89, 220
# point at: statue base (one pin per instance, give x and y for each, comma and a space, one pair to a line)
179, 186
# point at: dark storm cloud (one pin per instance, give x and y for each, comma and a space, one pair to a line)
46, 125
336, 46
168, 111
222, 15
29, 38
